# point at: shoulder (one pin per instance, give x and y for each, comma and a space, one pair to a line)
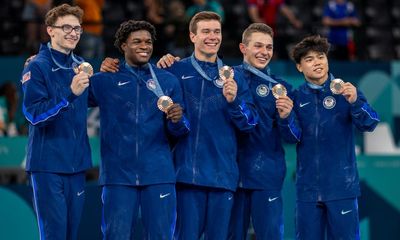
166, 77
282, 81
103, 75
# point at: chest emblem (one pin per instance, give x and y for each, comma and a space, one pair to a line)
262, 90
329, 102
151, 85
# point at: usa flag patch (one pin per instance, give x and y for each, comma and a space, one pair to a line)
26, 77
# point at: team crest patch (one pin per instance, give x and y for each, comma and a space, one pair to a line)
26, 77
262, 90
151, 84
329, 102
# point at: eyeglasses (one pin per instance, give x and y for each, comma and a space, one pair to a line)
68, 28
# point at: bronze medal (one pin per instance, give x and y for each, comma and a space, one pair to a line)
336, 85
164, 103
84, 67
226, 73
279, 91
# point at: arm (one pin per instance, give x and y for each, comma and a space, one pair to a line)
38, 106
177, 123
253, 14
349, 21
364, 117
343, 22
242, 109
288, 13
287, 121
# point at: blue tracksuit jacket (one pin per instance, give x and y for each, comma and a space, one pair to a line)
326, 161
57, 139
207, 156
134, 132
261, 157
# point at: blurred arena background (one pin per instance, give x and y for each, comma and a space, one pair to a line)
373, 65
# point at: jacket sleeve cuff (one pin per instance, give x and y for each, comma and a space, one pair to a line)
71, 96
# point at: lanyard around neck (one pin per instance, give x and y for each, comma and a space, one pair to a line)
318, 87
258, 73
198, 68
76, 61
157, 90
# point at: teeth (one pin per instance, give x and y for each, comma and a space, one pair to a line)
143, 54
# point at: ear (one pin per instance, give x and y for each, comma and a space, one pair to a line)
242, 48
299, 68
50, 31
192, 37
124, 46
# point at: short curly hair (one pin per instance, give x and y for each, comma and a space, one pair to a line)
127, 27
62, 10
312, 43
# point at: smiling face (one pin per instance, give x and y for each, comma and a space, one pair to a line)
314, 66
138, 48
259, 50
61, 41
207, 40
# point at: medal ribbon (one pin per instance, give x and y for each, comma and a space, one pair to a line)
318, 87
58, 64
200, 70
259, 73
158, 90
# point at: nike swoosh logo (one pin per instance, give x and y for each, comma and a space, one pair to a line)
304, 104
186, 77
123, 83
164, 195
55, 69
272, 199
230, 198
80, 193
345, 212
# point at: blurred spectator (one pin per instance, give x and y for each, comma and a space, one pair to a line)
205, 5
33, 14
340, 16
176, 30
267, 11
8, 109
91, 44
155, 14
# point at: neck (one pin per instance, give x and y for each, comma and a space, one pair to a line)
319, 82
205, 57
60, 49
134, 64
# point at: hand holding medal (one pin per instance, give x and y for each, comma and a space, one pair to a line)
229, 85
81, 80
84, 67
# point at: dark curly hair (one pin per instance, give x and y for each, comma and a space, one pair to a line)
312, 43
130, 26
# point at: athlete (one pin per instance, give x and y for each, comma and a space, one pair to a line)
328, 110
55, 104
140, 109
261, 159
